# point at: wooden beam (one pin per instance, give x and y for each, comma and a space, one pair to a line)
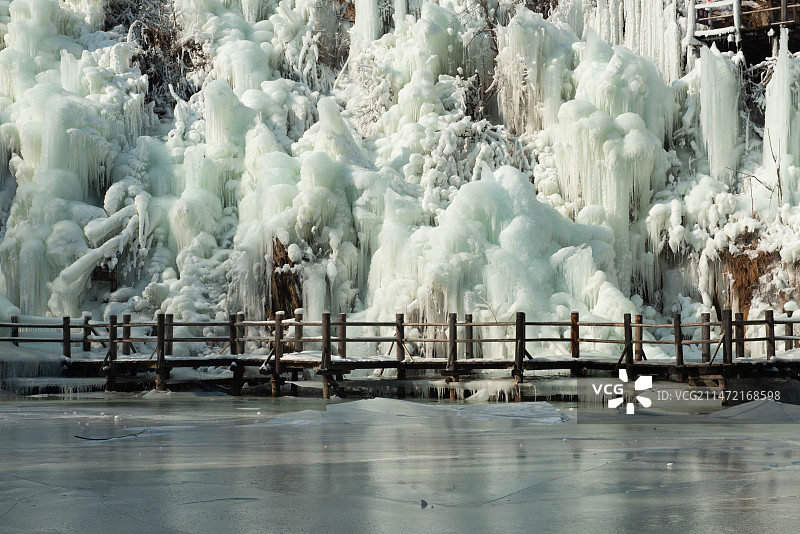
705, 334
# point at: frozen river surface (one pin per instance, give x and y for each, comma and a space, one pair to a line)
221, 464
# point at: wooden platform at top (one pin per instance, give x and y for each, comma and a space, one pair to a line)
745, 25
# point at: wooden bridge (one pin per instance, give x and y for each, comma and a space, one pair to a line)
733, 18
127, 348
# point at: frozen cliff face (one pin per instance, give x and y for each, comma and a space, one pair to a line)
71, 117
469, 157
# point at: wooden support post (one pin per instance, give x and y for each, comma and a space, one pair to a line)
111, 374
727, 332
519, 349
737, 20
400, 351
784, 12
638, 335
293, 387
66, 337
242, 329
325, 364
788, 331
705, 335
14, 329
341, 334
738, 334
769, 318
678, 332
452, 350
112, 337
452, 341
468, 332
237, 382
169, 333
126, 334
87, 331
298, 332
161, 372
574, 336
628, 333
233, 335
276, 374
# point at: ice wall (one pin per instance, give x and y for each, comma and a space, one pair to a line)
68, 115
386, 189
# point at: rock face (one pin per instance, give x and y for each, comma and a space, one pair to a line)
285, 288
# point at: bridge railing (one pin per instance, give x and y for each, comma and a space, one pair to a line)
459, 337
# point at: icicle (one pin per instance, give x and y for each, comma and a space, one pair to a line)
782, 120
719, 113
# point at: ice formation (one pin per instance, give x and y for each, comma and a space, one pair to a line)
409, 157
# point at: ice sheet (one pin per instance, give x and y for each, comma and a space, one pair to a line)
211, 464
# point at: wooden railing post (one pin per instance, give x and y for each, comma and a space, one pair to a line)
14, 329
112, 353
233, 335
574, 336
788, 331
452, 341
276, 375
161, 372
341, 334
638, 334
468, 331
738, 334
126, 334
86, 332
325, 363
769, 318
784, 12
452, 352
737, 20
169, 333
628, 332
676, 326
66, 337
242, 329
112, 337
727, 332
237, 381
519, 349
400, 351
705, 335
298, 330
